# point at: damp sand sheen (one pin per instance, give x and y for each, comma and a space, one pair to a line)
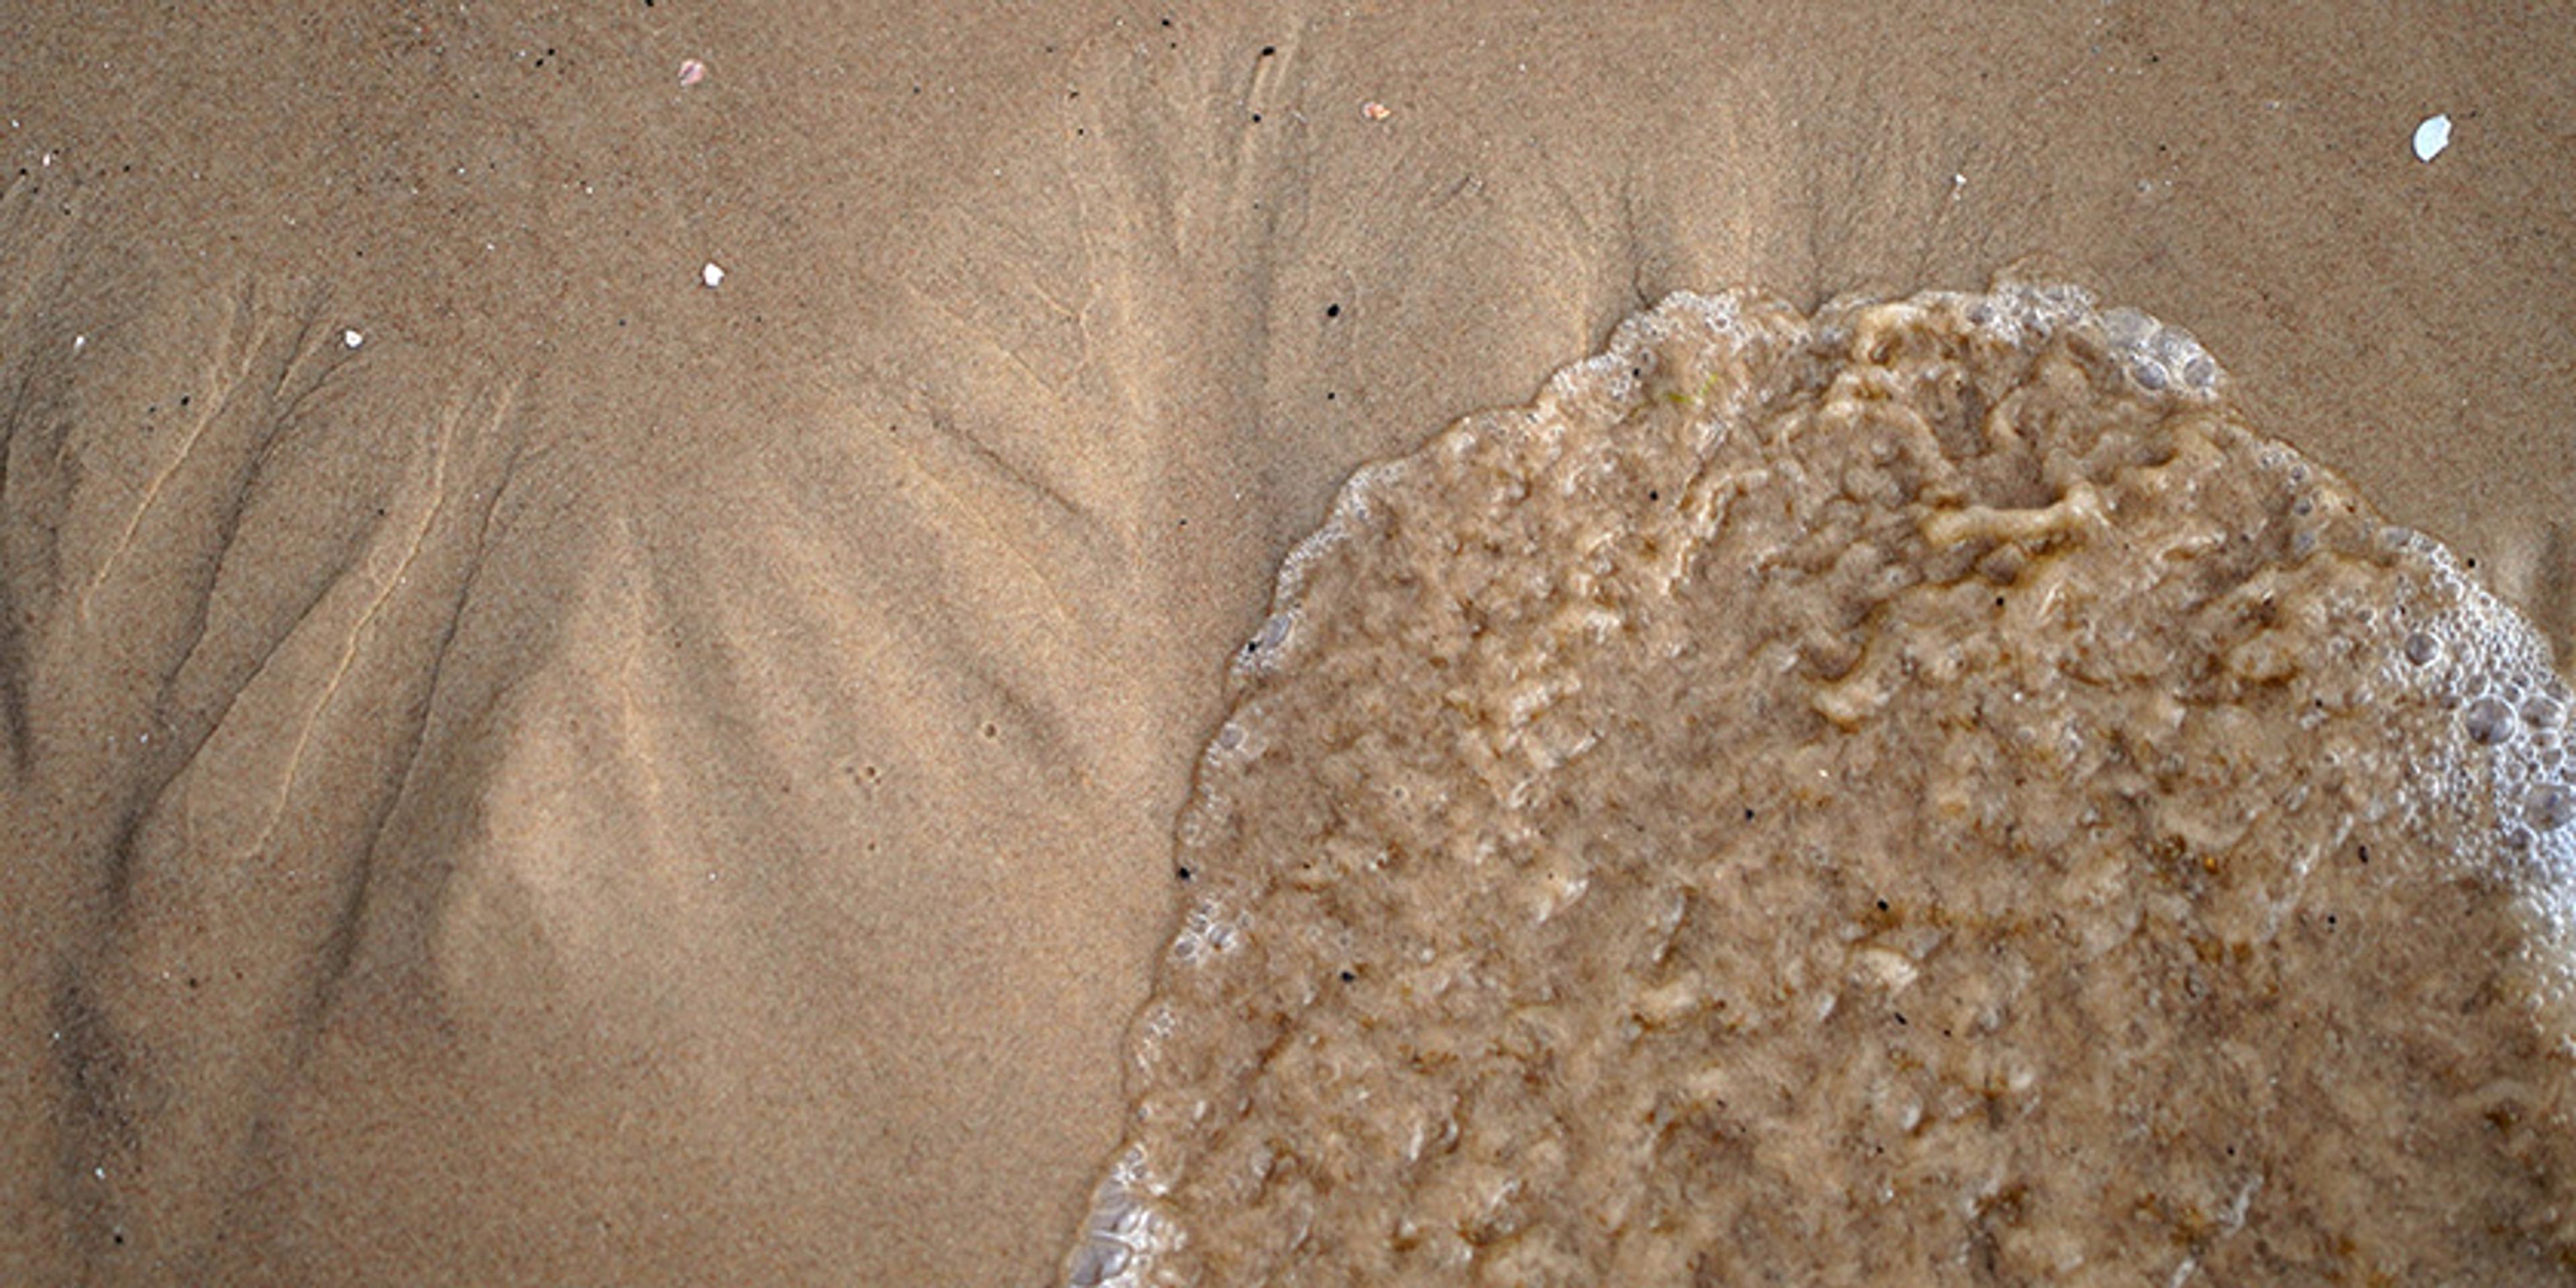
1919, 793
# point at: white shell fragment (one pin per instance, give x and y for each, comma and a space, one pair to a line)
711, 275
2432, 136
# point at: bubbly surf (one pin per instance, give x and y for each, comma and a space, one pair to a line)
1918, 792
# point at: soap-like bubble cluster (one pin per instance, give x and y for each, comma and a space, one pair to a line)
2506, 764
1122, 1228
2158, 356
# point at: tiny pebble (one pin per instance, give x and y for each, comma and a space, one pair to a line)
1374, 110
352, 339
711, 275
2431, 137
692, 71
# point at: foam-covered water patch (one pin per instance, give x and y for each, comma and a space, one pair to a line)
1918, 792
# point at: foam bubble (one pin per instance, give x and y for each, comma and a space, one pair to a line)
2488, 721
2552, 806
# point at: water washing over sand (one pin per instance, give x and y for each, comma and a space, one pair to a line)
1918, 793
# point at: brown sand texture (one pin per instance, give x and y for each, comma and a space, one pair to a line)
595, 672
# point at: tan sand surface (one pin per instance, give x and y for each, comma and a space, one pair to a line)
611, 779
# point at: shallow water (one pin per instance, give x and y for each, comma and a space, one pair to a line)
1919, 793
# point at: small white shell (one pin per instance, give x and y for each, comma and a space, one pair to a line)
2431, 137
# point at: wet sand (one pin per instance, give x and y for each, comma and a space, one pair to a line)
524, 766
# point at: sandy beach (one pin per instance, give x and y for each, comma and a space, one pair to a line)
596, 672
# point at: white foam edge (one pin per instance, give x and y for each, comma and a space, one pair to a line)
2486, 650
1123, 1234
